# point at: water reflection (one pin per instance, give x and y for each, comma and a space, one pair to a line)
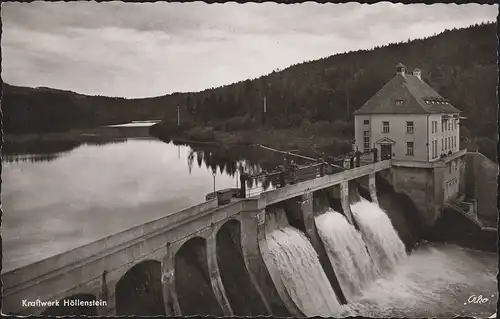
58, 195
232, 164
46, 150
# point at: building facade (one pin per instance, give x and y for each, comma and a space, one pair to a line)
407, 120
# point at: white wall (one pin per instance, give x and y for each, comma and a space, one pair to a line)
397, 133
451, 133
422, 137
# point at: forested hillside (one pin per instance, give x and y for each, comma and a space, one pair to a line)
30, 110
460, 64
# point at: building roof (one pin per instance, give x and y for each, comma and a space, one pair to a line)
414, 96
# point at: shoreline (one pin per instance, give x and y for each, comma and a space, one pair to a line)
296, 140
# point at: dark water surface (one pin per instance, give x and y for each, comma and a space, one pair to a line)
59, 194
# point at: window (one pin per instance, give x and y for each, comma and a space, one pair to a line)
435, 148
399, 102
409, 148
434, 126
433, 153
445, 143
450, 126
442, 144
366, 122
409, 127
366, 141
442, 125
385, 127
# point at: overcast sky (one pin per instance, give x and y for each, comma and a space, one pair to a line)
150, 49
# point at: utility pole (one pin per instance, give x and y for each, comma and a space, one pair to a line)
178, 116
347, 101
265, 109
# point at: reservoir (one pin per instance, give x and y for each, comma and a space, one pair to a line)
57, 201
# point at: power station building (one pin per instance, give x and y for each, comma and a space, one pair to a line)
408, 121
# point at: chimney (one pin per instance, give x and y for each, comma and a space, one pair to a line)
400, 69
417, 73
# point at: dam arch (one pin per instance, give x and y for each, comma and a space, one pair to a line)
139, 290
234, 273
63, 310
192, 281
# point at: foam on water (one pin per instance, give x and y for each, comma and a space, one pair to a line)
436, 280
347, 253
384, 245
301, 273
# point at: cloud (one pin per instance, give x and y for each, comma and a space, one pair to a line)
149, 49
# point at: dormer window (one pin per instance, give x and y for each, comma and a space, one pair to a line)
399, 102
400, 69
417, 73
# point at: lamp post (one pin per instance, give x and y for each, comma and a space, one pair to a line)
214, 174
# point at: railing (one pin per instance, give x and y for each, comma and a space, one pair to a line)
293, 174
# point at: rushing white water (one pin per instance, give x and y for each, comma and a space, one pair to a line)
437, 280
384, 245
301, 273
347, 253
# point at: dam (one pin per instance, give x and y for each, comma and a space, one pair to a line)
304, 249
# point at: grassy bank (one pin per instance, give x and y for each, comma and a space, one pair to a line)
310, 140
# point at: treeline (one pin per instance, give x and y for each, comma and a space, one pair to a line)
460, 64
41, 110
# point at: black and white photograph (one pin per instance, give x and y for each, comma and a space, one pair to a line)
249, 159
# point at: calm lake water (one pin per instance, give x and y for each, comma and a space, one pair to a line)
57, 201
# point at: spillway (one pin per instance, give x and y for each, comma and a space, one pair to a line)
301, 272
347, 253
384, 245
